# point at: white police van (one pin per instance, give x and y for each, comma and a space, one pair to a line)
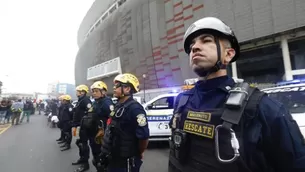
159, 112
292, 95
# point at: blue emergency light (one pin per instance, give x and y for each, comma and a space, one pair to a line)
291, 82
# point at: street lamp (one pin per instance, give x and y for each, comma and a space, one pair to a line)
144, 77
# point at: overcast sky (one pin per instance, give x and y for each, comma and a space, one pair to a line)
38, 42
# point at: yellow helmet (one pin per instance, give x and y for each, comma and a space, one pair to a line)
60, 97
128, 78
99, 85
82, 88
66, 97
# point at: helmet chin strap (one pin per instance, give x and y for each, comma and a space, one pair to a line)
123, 94
103, 94
82, 95
218, 65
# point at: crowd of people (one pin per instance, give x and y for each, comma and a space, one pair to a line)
14, 111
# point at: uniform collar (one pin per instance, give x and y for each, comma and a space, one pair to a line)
128, 100
82, 97
99, 99
223, 83
66, 105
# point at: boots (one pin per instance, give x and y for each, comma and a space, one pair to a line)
78, 162
66, 147
84, 167
60, 139
61, 142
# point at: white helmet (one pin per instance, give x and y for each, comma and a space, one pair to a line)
214, 26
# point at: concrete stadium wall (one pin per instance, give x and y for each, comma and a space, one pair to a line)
147, 34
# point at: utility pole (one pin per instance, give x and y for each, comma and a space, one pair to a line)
144, 77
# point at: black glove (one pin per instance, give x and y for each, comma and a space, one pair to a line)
103, 159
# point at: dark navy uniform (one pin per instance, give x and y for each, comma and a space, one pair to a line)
96, 121
270, 140
66, 112
80, 110
127, 125
59, 125
54, 108
102, 109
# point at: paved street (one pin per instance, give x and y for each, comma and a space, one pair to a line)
4, 127
32, 147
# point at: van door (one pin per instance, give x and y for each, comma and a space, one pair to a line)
159, 114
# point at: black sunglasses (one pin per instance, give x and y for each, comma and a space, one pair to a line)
119, 84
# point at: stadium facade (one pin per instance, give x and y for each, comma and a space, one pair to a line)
145, 37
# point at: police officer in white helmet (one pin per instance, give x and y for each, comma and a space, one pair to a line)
223, 126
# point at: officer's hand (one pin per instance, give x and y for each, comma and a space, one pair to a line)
99, 136
74, 131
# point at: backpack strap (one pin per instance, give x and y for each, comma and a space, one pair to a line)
128, 104
251, 108
182, 100
180, 103
250, 112
121, 110
232, 116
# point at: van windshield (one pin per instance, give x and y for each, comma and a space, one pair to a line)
293, 98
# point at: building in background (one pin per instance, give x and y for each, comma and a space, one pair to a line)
43, 97
65, 88
52, 87
145, 37
55, 89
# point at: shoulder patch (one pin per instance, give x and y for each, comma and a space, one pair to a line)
141, 120
111, 107
89, 105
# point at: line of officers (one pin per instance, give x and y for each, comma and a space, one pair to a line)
117, 135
